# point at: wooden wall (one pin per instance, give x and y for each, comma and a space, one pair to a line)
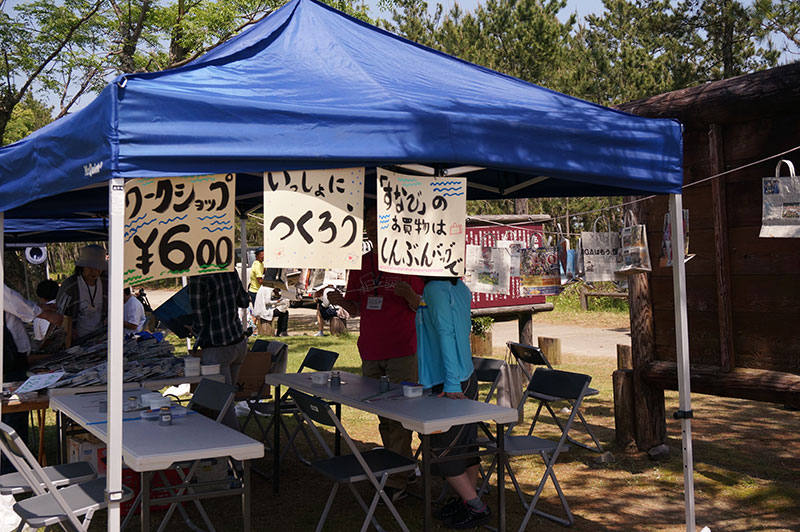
743, 291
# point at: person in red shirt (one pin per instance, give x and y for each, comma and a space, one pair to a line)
387, 342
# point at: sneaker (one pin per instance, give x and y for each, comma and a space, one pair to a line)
394, 494
320, 333
450, 509
284, 333
469, 517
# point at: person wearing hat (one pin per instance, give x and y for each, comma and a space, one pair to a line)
256, 275
84, 294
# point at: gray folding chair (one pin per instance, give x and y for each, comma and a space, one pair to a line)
534, 356
374, 466
59, 475
543, 386
49, 505
212, 399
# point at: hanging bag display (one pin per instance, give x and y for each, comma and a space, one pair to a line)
635, 253
780, 215
599, 254
511, 383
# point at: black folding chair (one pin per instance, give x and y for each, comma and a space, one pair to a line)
315, 360
373, 466
49, 505
543, 386
534, 356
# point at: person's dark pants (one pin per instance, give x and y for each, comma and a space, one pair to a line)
252, 296
461, 436
283, 321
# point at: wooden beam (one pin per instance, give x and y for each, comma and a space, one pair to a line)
721, 256
755, 384
649, 409
738, 99
512, 310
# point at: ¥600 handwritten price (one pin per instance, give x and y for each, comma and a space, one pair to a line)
178, 226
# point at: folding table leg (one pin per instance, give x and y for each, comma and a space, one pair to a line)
246, 495
426, 482
501, 478
337, 442
145, 501
276, 441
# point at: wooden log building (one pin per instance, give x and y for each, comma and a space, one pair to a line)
743, 291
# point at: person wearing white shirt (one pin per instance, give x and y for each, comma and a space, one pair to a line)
16, 346
133, 312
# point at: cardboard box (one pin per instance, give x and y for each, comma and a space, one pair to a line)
251, 375
83, 449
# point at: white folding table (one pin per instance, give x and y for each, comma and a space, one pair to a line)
148, 446
425, 415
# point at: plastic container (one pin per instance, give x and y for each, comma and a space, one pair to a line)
146, 399
412, 390
191, 367
319, 378
209, 369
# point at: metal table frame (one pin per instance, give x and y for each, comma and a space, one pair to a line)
182, 445
414, 414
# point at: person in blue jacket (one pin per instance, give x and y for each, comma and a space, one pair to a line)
445, 366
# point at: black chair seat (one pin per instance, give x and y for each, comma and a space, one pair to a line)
348, 469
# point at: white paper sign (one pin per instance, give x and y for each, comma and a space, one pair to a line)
39, 382
177, 226
421, 224
488, 272
313, 218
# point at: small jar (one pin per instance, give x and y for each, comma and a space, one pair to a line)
132, 404
336, 379
165, 416
384, 385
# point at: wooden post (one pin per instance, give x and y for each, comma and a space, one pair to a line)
525, 327
624, 419
624, 357
650, 422
582, 295
650, 414
551, 347
721, 257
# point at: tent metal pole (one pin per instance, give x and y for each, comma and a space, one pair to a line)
184, 281
682, 352
116, 211
2, 299
243, 269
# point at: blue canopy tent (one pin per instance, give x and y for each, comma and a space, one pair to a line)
310, 87
22, 231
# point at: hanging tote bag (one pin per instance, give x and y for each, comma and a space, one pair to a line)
599, 254
511, 384
635, 253
780, 216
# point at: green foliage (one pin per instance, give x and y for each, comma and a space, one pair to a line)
28, 116
569, 300
781, 17
482, 325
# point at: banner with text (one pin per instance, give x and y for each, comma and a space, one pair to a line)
314, 218
177, 226
421, 224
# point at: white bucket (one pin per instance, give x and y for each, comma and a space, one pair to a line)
191, 367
